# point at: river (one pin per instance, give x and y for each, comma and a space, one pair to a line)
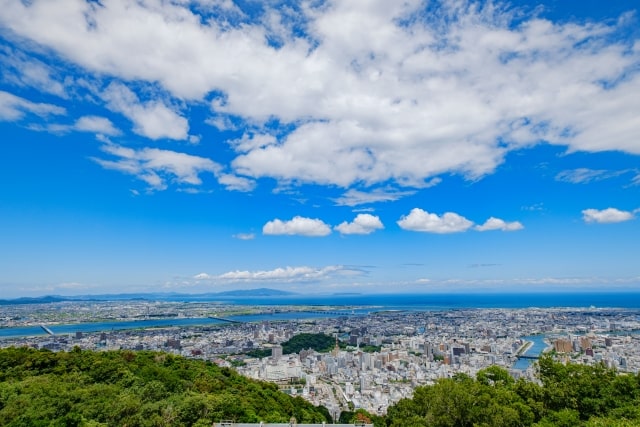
30, 331
535, 350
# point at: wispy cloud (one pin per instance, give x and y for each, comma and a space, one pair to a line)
94, 124
245, 236
158, 167
354, 197
14, 108
152, 119
537, 283
584, 175
21, 70
280, 274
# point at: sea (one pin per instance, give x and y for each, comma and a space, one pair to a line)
350, 304
451, 301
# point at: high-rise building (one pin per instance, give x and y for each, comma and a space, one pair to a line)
276, 352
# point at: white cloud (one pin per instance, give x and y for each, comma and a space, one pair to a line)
499, 224
245, 236
101, 126
96, 124
13, 107
420, 220
21, 70
354, 197
375, 92
582, 283
297, 226
280, 274
153, 119
585, 175
237, 183
250, 142
362, 224
608, 215
156, 167
74, 286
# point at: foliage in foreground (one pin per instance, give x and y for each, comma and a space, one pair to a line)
123, 388
570, 395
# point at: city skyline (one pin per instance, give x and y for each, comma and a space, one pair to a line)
318, 147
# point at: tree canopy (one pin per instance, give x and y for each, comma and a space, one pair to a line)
567, 395
318, 342
118, 388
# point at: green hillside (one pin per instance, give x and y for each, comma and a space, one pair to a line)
568, 396
123, 388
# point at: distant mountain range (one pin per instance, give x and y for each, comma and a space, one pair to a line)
243, 293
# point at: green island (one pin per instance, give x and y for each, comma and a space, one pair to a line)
126, 388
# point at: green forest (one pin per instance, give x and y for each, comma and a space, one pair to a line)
568, 396
125, 388
319, 342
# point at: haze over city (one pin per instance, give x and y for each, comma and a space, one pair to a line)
318, 147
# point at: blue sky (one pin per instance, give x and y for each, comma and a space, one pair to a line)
318, 146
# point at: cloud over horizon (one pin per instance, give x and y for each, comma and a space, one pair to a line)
278, 275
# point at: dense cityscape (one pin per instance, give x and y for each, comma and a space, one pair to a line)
379, 356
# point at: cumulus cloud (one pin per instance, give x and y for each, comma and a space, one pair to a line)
152, 119
499, 224
361, 92
362, 224
609, 215
300, 226
158, 167
420, 220
13, 107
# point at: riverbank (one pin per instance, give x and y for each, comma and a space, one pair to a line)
524, 348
